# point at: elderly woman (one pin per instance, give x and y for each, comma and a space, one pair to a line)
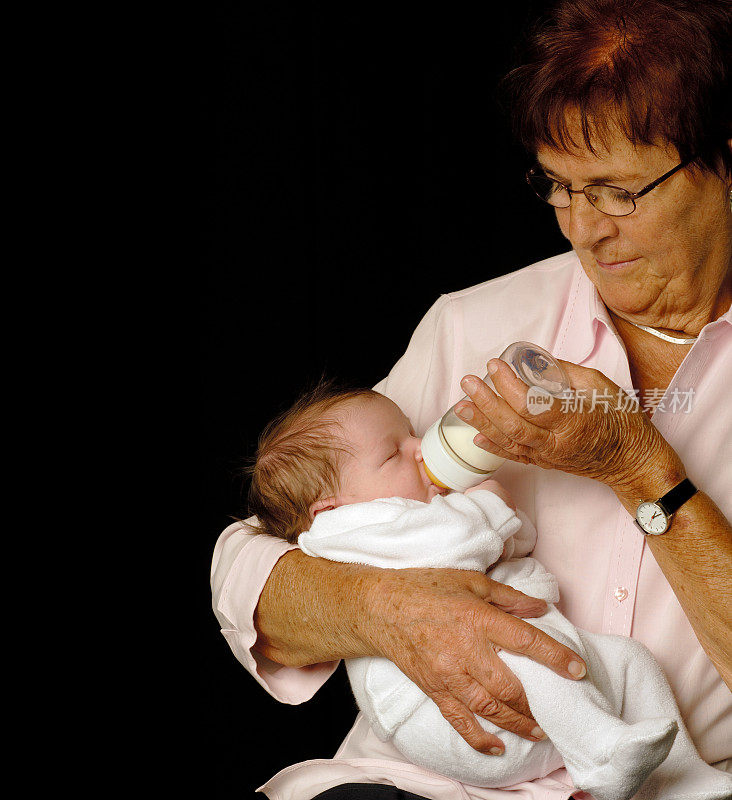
625, 106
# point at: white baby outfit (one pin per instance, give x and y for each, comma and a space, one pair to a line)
612, 729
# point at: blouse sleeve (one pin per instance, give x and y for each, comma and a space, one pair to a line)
242, 563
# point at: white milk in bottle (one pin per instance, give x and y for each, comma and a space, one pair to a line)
451, 459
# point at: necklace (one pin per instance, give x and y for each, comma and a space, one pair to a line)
664, 336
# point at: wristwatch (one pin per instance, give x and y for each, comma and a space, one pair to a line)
655, 517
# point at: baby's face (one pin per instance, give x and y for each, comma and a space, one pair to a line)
386, 458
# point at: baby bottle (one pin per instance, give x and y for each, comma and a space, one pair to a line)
451, 459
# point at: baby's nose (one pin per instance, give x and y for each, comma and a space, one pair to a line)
418, 450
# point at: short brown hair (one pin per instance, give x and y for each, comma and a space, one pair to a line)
298, 459
659, 69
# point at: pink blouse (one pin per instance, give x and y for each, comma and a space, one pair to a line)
609, 580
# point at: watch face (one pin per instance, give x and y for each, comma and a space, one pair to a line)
652, 518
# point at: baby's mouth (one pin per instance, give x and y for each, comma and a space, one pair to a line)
440, 487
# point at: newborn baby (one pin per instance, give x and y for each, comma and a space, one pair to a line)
341, 473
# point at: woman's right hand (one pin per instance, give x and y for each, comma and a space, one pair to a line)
443, 628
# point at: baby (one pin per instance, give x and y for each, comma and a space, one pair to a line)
341, 474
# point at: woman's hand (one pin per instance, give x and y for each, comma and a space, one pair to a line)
443, 627
616, 446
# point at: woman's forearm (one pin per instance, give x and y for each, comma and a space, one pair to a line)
301, 617
695, 555
696, 558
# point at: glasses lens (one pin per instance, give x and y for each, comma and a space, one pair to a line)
610, 200
548, 190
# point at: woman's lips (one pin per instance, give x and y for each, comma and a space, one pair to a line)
615, 264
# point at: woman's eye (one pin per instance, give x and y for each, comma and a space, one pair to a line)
617, 194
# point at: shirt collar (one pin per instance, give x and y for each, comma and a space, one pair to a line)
584, 315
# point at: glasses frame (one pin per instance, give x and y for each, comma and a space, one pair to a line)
632, 195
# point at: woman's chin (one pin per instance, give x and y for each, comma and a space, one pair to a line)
624, 291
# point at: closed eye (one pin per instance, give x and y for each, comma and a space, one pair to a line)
393, 455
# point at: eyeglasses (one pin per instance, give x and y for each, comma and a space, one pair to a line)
611, 200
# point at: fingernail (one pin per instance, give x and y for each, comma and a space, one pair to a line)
464, 413
468, 384
492, 367
538, 733
495, 751
576, 670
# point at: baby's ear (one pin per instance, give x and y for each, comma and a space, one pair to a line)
324, 504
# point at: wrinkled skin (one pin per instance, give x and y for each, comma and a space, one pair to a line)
611, 446
434, 623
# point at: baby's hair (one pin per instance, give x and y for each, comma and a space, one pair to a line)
298, 459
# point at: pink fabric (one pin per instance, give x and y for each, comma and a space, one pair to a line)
241, 565
609, 580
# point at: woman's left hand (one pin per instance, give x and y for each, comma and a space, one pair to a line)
597, 439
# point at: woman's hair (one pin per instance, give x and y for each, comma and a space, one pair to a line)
658, 69
298, 460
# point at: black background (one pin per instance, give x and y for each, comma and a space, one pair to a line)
357, 163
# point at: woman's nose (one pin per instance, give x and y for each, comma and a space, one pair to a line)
585, 225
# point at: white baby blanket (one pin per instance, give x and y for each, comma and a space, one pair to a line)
457, 530
611, 730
